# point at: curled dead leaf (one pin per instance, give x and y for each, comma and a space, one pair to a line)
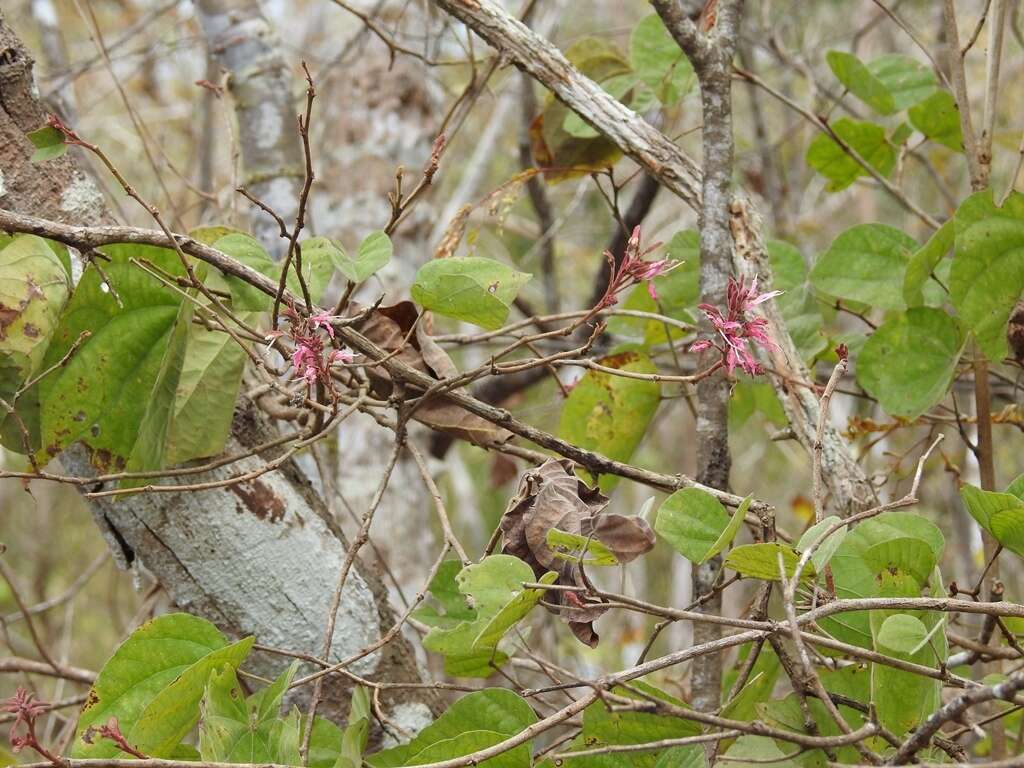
552, 497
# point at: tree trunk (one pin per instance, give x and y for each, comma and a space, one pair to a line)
257, 558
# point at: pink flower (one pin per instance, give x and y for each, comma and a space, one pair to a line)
634, 269
25, 710
736, 330
323, 320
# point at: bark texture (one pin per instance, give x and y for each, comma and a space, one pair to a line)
257, 558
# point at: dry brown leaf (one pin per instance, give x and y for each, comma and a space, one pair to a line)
551, 496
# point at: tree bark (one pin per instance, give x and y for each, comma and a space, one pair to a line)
256, 558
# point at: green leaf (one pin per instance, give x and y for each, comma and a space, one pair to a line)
317, 270
621, 88
659, 62
1017, 487
204, 402
49, 144
604, 728
923, 263
832, 161
866, 263
374, 253
499, 603
470, 288
938, 118
861, 81
903, 699
696, 524
910, 555
33, 289
901, 633
239, 730
755, 750
247, 250
132, 360
357, 730
799, 307
988, 268
748, 396
907, 80
1001, 514
583, 549
495, 710
909, 362
610, 414
683, 757
761, 561
444, 589
827, 547
854, 578
153, 684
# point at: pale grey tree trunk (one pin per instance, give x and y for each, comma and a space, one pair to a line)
257, 558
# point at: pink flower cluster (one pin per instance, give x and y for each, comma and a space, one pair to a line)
25, 709
737, 328
634, 269
312, 358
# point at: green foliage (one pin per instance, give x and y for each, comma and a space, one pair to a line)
49, 144
919, 284
237, 729
470, 288
866, 263
827, 547
133, 355
909, 362
374, 253
988, 269
1001, 514
887, 84
582, 549
799, 307
938, 118
469, 638
860, 81
659, 62
357, 730
766, 561
610, 414
475, 721
696, 524
831, 159
153, 684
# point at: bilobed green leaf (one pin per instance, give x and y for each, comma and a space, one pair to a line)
861, 81
799, 307
907, 80
470, 288
827, 547
696, 524
471, 741
374, 252
761, 561
1001, 514
444, 589
131, 360
909, 362
902, 633
659, 62
49, 144
692, 756
923, 263
153, 684
499, 602
910, 555
833, 162
755, 750
866, 263
496, 710
938, 118
236, 729
610, 414
988, 269
854, 578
